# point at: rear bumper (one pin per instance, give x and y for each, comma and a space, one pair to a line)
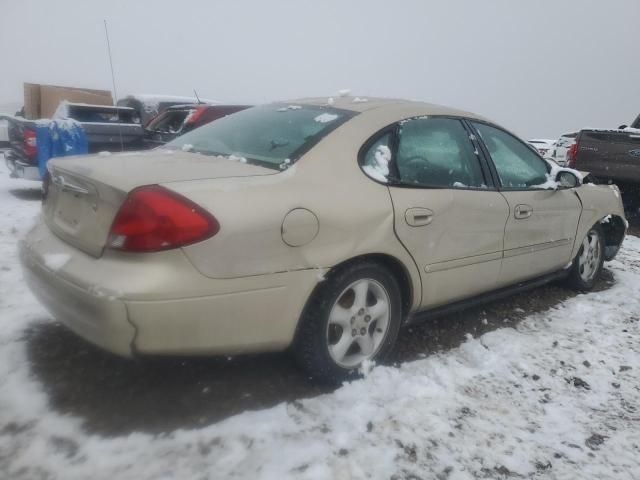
159, 303
20, 168
98, 318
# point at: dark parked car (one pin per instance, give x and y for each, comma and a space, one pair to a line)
148, 105
180, 119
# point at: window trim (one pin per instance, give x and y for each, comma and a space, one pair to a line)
492, 165
394, 174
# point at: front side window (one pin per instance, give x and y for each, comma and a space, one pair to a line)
437, 152
517, 165
270, 135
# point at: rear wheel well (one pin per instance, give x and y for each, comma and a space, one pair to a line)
613, 227
396, 267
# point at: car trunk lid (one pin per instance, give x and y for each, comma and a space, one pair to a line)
83, 193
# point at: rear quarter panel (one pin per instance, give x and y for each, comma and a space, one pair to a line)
355, 214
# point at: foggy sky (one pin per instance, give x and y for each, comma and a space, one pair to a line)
539, 68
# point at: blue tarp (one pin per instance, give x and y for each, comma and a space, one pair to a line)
59, 138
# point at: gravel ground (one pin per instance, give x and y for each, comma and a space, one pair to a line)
115, 396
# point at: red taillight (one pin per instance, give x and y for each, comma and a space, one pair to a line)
572, 153
30, 143
153, 218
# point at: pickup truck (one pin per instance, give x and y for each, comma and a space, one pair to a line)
107, 128
609, 155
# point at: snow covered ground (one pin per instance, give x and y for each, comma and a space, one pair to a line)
558, 397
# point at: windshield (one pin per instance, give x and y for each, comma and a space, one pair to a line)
272, 135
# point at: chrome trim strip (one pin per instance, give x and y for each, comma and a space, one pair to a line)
514, 252
462, 262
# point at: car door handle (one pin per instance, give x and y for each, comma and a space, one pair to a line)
418, 217
523, 211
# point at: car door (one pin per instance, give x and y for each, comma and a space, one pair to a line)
540, 231
448, 215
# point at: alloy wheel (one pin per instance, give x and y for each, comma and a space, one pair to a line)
589, 257
358, 323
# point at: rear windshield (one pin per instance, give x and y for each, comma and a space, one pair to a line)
169, 121
274, 135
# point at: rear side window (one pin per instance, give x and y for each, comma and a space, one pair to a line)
169, 121
378, 157
437, 152
272, 135
517, 165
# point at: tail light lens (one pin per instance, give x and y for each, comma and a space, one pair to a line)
153, 218
572, 153
30, 143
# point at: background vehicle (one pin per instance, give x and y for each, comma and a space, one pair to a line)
238, 246
148, 106
4, 134
610, 155
107, 128
562, 146
543, 146
180, 119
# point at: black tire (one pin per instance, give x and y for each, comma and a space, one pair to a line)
576, 278
311, 345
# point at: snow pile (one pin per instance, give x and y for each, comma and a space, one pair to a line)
55, 261
380, 168
236, 158
326, 117
289, 107
555, 398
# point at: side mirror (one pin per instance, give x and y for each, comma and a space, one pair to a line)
567, 179
622, 127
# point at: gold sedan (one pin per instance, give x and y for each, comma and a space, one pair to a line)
319, 226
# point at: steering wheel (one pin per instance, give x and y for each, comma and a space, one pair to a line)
414, 165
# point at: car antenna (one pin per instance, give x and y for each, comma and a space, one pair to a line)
113, 81
196, 94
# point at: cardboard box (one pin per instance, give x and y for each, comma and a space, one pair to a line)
41, 101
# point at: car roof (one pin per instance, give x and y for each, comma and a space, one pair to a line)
363, 104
